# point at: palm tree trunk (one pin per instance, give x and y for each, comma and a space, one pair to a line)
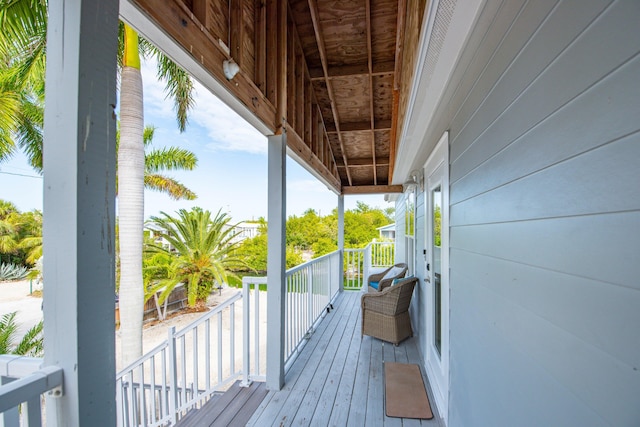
131, 200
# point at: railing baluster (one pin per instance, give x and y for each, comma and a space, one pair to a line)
232, 332
219, 318
195, 360
207, 348
183, 370
173, 376
256, 315
152, 373
245, 333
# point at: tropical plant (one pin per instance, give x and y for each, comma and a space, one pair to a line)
12, 272
156, 266
20, 235
202, 251
31, 344
22, 53
23, 48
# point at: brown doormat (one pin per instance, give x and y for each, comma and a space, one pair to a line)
405, 394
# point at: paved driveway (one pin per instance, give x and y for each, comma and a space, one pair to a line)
14, 296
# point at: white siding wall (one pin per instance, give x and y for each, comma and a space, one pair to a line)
544, 118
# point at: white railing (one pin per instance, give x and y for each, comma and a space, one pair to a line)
193, 364
359, 263
24, 380
310, 290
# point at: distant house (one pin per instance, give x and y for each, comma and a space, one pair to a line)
245, 230
387, 231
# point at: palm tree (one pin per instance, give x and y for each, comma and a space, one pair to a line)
22, 55
23, 37
30, 344
203, 253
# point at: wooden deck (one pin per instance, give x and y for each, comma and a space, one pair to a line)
231, 409
338, 378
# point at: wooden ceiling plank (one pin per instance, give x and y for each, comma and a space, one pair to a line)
313, 8
394, 132
260, 42
371, 111
371, 189
300, 92
201, 11
402, 5
236, 33
281, 54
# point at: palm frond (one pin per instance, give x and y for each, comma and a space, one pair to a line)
170, 158
8, 328
170, 186
179, 85
32, 343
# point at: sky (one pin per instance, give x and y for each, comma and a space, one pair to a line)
232, 164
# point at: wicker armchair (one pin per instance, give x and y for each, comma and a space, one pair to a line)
385, 315
386, 277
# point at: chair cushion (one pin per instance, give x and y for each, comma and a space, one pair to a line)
374, 285
400, 279
393, 272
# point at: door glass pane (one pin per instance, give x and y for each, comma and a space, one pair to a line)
436, 215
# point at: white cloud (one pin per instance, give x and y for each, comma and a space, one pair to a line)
306, 186
226, 130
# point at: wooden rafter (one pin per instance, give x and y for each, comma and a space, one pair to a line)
371, 111
361, 126
365, 162
313, 8
379, 69
372, 189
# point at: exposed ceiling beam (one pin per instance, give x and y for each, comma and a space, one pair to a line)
371, 111
313, 8
371, 189
361, 126
379, 69
365, 162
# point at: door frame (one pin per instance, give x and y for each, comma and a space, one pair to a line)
436, 172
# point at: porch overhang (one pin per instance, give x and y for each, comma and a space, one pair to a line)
336, 80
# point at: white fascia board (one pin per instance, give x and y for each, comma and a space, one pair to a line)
134, 17
426, 95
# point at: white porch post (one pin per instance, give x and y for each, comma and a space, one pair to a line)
276, 261
341, 240
79, 209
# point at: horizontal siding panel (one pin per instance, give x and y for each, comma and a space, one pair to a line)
568, 366
493, 381
513, 36
552, 37
602, 180
606, 112
600, 247
595, 312
568, 76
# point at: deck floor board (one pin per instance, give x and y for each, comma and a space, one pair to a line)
337, 380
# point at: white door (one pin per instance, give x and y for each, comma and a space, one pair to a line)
437, 272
